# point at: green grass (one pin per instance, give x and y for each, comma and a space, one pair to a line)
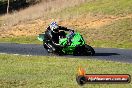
117, 34
21, 39
106, 7
55, 72
111, 44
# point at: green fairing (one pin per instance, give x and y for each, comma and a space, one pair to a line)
76, 40
40, 37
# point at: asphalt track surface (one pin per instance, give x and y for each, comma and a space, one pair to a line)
112, 54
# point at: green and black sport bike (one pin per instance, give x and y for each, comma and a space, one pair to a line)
77, 47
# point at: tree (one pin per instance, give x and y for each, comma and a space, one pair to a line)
8, 4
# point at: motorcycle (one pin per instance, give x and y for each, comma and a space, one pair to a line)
77, 45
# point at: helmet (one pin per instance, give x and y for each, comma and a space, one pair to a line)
54, 27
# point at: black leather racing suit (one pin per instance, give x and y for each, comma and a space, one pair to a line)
52, 38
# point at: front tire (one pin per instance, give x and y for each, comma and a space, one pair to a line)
89, 51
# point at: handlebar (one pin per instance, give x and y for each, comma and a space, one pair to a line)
71, 34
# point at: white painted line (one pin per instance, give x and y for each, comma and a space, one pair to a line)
15, 54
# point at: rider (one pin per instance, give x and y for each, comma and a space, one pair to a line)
52, 35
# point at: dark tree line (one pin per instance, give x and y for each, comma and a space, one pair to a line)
11, 5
